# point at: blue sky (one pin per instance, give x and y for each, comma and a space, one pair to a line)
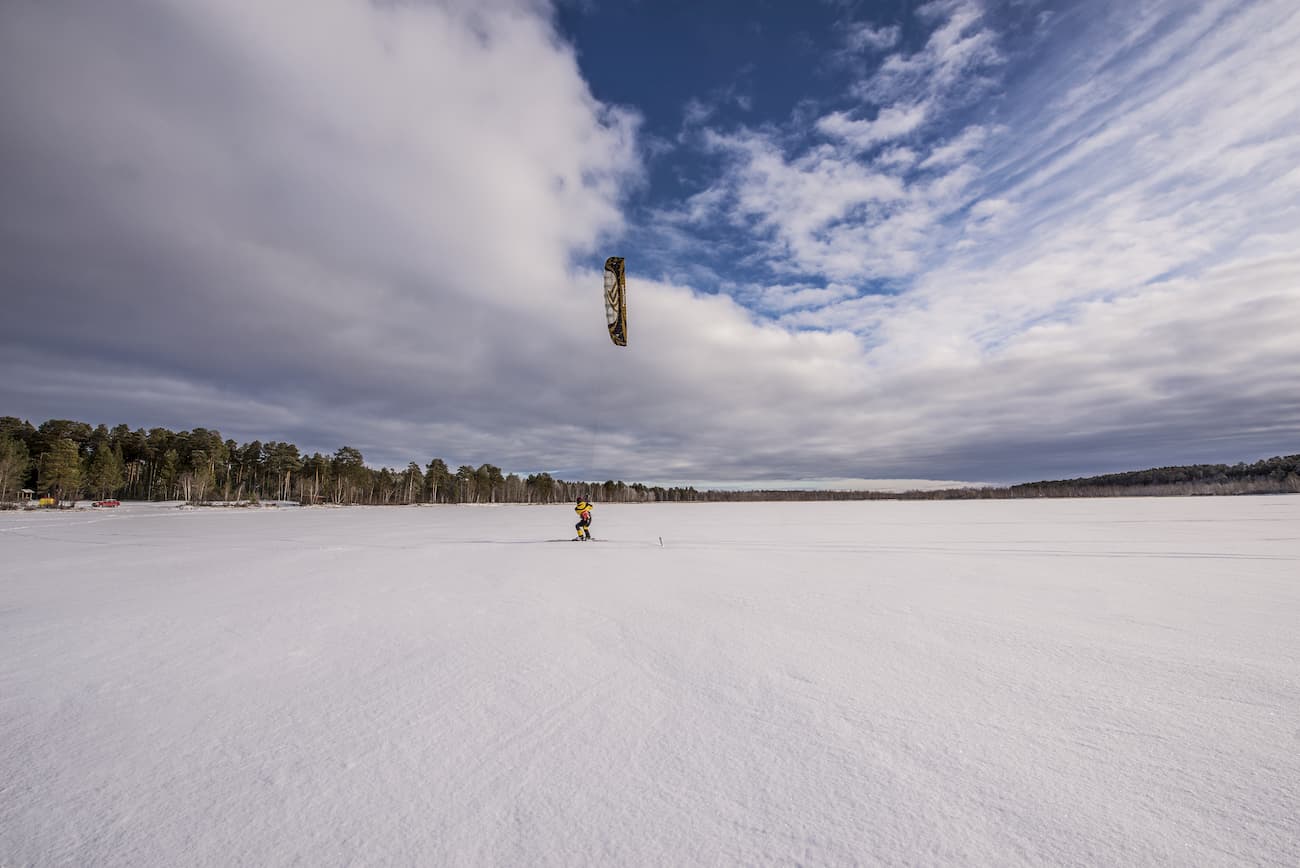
695, 72
958, 240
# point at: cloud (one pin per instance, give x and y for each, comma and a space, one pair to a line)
957, 149
909, 90
696, 112
893, 122
1110, 279
814, 206
788, 297
899, 157
952, 61
829, 213
211, 219
866, 37
203, 191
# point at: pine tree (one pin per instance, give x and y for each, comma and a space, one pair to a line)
167, 473
412, 483
349, 473
59, 470
14, 463
107, 474
487, 480
438, 481
465, 480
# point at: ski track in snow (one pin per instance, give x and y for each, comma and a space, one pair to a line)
1039, 682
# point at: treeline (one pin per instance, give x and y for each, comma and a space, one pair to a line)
1278, 475
69, 460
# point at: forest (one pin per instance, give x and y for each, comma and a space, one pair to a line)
68, 460
1278, 475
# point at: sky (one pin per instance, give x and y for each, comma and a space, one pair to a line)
950, 241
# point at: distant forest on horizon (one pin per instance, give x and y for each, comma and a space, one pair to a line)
70, 460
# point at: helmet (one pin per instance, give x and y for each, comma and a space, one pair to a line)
580, 500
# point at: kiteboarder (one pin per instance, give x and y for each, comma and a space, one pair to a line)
583, 527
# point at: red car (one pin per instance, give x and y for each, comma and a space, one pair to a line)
109, 502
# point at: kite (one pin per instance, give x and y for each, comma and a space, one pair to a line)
616, 300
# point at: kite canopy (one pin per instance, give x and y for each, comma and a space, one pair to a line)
616, 300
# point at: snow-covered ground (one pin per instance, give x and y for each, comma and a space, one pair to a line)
1067, 682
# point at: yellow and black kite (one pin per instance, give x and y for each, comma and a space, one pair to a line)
616, 300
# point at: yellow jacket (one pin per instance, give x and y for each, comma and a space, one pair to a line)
583, 509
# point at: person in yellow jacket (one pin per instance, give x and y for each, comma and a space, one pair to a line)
583, 509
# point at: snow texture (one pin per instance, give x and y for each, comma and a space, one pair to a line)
1067, 682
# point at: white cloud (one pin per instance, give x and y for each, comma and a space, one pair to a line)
811, 204
1133, 283
208, 188
830, 213
897, 157
958, 49
863, 36
987, 216
893, 122
787, 297
956, 149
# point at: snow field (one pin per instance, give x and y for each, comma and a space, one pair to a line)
1076, 682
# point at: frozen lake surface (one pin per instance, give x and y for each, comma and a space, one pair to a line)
1064, 682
